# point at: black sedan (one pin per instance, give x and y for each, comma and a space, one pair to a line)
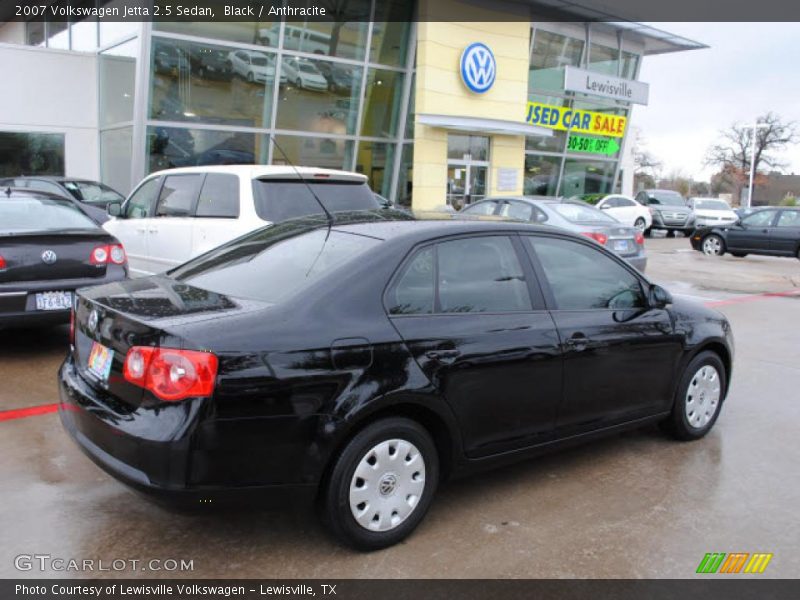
48, 249
771, 231
363, 363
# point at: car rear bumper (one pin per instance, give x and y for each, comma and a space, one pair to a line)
132, 448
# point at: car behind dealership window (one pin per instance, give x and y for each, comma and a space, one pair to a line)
281, 199
219, 196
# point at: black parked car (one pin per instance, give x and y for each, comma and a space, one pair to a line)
365, 362
48, 249
210, 63
771, 231
340, 79
669, 211
93, 197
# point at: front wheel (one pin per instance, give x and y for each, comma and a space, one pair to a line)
382, 484
640, 224
699, 398
713, 245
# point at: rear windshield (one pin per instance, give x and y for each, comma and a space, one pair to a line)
576, 213
22, 215
281, 199
667, 198
92, 193
273, 263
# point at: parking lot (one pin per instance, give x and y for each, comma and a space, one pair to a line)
634, 505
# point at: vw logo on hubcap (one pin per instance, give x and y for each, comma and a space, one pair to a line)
49, 257
387, 484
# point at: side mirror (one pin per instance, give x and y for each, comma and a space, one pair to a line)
659, 297
605, 207
114, 209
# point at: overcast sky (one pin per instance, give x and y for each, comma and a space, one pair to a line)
750, 68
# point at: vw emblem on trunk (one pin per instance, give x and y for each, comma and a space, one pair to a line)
49, 257
92, 322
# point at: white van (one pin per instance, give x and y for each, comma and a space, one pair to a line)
177, 214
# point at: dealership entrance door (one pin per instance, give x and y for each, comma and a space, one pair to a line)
467, 169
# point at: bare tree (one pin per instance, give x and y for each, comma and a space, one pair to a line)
647, 168
732, 151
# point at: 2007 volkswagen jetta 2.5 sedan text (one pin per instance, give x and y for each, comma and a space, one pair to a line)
361, 362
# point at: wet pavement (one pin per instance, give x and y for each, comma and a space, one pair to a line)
634, 505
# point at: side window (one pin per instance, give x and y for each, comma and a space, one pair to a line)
760, 218
611, 203
44, 186
413, 293
178, 195
219, 196
789, 218
641, 198
625, 203
481, 208
584, 278
480, 274
517, 210
141, 201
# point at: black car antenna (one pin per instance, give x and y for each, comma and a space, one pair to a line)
328, 215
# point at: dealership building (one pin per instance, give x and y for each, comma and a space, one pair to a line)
432, 111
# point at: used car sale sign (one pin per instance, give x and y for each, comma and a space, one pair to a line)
563, 118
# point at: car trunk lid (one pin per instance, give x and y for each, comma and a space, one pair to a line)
45, 256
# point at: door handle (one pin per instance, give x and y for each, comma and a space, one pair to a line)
577, 343
443, 356
153, 230
140, 230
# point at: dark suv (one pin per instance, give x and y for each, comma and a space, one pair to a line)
669, 211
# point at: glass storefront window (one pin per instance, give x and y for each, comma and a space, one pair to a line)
211, 84
468, 147
329, 153
346, 37
116, 151
264, 33
31, 153
599, 106
170, 147
84, 35
375, 160
34, 33
630, 62
541, 175
551, 53
554, 143
405, 178
409, 134
382, 100
319, 96
57, 35
603, 59
583, 177
390, 32
117, 74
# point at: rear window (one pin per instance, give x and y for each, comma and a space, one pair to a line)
22, 215
576, 213
273, 263
281, 199
92, 192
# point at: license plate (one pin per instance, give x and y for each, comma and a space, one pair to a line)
53, 300
100, 359
621, 245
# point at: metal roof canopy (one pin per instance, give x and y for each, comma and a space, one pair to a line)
480, 125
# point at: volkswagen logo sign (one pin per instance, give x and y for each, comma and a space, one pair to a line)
478, 67
49, 257
93, 320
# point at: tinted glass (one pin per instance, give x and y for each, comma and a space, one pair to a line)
271, 266
761, 218
413, 293
541, 175
383, 97
551, 52
278, 200
92, 192
481, 274
583, 278
31, 153
789, 218
481, 208
517, 210
219, 196
178, 195
19, 215
667, 198
44, 186
576, 213
141, 202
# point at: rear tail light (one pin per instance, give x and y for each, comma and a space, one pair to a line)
639, 237
600, 238
169, 373
72, 326
3, 264
110, 254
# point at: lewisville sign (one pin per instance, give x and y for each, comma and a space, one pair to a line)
597, 84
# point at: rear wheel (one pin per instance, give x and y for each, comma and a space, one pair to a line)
382, 484
640, 224
713, 245
699, 398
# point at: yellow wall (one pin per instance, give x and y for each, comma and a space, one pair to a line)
440, 91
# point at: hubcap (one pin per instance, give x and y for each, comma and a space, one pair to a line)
640, 224
712, 246
702, 397
387, 485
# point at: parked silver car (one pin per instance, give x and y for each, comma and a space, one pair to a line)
572, 215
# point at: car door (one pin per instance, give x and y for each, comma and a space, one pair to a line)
476, 324
625, 211
752, 234
169, 233
130, 228
620, 355
785, 236
217, 215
